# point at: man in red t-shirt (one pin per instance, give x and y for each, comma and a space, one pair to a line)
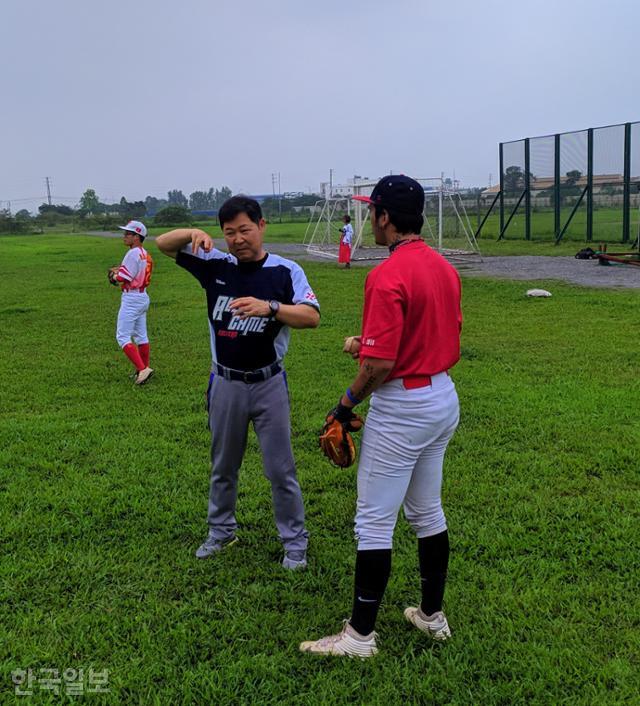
410, 339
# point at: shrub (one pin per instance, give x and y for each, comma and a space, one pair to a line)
172, 216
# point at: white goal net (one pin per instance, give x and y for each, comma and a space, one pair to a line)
446, 224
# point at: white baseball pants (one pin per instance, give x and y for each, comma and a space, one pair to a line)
403, 446
132, 318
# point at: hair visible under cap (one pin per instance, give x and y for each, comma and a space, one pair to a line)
404, 223
236, 205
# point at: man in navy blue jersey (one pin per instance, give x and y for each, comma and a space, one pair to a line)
254, 298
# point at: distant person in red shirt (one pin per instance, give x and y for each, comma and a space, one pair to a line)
346, 236
410, 339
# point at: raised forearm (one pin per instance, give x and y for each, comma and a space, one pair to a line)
173, 241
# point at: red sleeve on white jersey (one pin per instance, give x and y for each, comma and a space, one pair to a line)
131, 265
123, 274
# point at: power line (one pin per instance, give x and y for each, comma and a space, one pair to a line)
28, 198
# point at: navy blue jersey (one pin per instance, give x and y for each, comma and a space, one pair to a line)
257, 341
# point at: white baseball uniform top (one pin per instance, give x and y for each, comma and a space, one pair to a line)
347, 234
135, 269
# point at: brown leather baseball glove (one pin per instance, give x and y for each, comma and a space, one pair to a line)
111, 275
336, 441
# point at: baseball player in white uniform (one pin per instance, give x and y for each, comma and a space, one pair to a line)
134, 275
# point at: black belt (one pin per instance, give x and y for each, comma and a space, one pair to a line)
248, 375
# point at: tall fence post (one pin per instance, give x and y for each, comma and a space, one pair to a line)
527, 188
590, 184
626, 193
556, 183
501, 151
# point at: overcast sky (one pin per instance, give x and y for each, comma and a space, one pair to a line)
136, 97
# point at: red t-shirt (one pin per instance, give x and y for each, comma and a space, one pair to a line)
412, 312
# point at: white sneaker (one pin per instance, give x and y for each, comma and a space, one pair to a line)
144, 375
435, 625
212, 546
348, 643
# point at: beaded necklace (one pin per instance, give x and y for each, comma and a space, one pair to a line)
400, 243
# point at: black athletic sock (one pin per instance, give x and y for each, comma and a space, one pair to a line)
373, 567
433, 553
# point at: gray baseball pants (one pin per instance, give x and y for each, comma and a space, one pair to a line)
232, 405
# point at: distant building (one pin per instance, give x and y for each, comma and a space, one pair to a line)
342, 190
608, 188
542, 183
260, 198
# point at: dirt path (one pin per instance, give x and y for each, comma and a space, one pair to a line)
588, 273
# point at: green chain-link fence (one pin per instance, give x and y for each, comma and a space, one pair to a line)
582, 185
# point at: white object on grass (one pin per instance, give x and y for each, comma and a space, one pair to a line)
538, 293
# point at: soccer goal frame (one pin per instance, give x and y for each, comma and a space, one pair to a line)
322, 233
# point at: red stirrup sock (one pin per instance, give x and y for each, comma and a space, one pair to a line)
143, 348
132, 353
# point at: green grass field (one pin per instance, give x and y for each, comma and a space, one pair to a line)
103, 490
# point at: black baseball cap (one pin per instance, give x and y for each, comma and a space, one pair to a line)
398, 193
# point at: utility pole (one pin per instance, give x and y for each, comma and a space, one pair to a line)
273, 186
279, 200
330, 183
48, 180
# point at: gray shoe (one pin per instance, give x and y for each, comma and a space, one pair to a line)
295, 560
213, 546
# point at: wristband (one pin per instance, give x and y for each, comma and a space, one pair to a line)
342, 413
352, 398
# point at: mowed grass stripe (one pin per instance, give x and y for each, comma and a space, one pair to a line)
103, 491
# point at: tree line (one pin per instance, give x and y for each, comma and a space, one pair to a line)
91, 211
209, 200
